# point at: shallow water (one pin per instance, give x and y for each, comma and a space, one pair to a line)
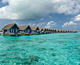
47, 49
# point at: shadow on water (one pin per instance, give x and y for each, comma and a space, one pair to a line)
53, 54
24, 61
41, 49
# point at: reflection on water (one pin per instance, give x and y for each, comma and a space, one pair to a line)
50, 49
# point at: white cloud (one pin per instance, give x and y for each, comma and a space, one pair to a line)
41, 20
41, 24
76, 18
50, 24
34, 9
71, 23
15, 22
31, 24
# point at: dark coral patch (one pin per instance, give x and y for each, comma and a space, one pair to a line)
53, 54
51, 49
42, 49
33, 58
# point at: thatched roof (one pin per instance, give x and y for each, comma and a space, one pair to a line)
47, 29
64, 31
50, 29
34, 28
40, 29
56, 30
24, 27
7, 27
53, 29
60, 30
76, 30
44, 29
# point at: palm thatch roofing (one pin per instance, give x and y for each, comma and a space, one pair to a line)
44, 29
64, 31
34, 28
74, 30
60, 30
56, 30
24, 27
53, 29
47, 29
40, 29
50, 29
7, 27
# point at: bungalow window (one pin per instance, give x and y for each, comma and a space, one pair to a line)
16, 30
7, 31
28, 30
22, 31
11, 31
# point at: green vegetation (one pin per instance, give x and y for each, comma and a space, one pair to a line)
1, 31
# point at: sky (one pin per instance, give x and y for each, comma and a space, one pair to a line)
54, 14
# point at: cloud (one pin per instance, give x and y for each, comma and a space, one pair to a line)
67, 24
76, 18
41, 20
50, 24
41, 24
50, 17
32, 24
34, 9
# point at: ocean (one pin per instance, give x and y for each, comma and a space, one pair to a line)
45, 49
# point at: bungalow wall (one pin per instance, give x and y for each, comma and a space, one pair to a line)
35, 31
13, 29
27, 30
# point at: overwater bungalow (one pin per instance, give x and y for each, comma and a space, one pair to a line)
25, 30
74, 31
58, 31
61, 31
41, 30
35, 30
51, 30
44, 30
65, 31
68, 31
54, 31
11, 30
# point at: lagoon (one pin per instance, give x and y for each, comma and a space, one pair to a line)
46, 49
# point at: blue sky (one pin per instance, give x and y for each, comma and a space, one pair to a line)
54, 14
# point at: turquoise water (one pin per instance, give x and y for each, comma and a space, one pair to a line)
47, 49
